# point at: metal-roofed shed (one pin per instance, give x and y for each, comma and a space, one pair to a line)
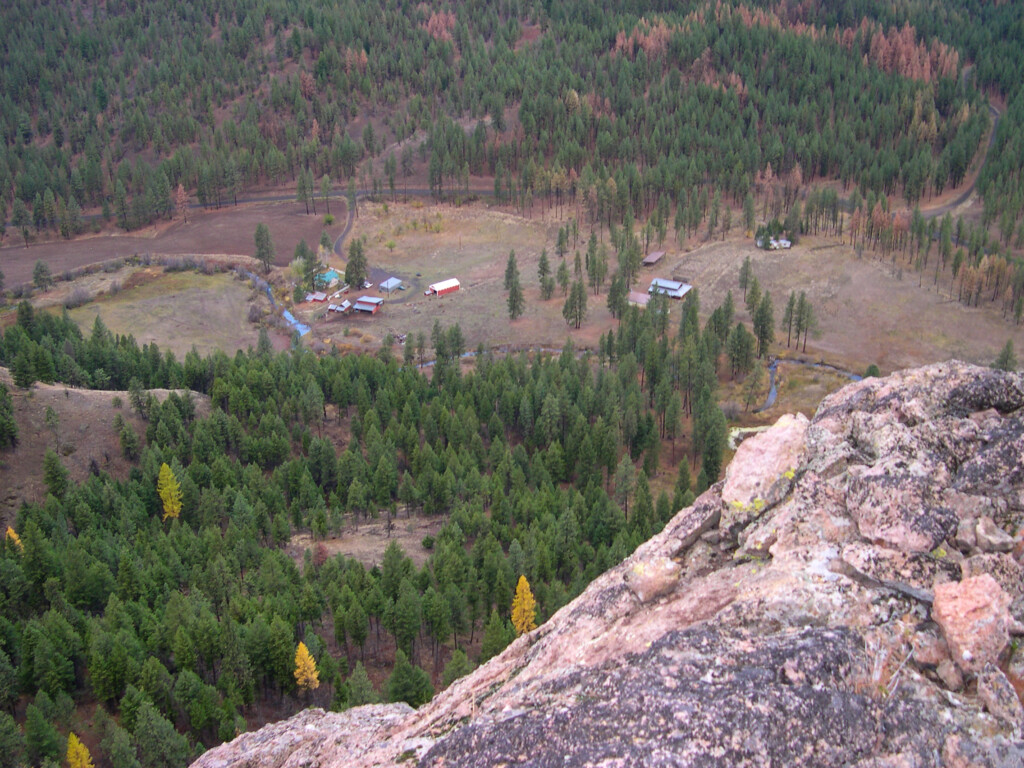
368, 304
391, 284
671, 288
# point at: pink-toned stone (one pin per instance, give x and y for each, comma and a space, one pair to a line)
650, 579
765, 459
894, 503
1003, 568
974, 618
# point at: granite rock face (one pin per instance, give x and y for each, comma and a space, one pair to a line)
804, 615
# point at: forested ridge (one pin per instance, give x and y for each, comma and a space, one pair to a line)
167, 599
164, 604
114, 105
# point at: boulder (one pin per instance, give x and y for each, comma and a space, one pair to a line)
650, 579
764, 471
894, 503
992, 538
974, 618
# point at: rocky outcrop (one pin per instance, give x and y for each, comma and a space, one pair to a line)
835, 601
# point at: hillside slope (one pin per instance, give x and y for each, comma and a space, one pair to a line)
845, 597
84, 435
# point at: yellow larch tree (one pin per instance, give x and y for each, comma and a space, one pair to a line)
15, 538
169, 488
78, 753
524, 608
306, 675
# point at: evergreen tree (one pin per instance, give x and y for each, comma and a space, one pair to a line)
715, 437
516, 302
21, 219
302, 190
511, 270
55, 476
764, 324
625, 482
752, 385
617, 295
12, 743
681, 495
496, 638
789, 316
563, 277
42, 741
408, 683
264, 246
1005, 361
752, 297
642, 520
745, 275
158, 744
360, 689
740, 350
357, 270
575, 309
41, 277
543, 267
458, 666
804, 318
22, 371
8, 424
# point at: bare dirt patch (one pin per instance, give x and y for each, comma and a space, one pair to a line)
177, 310
366, 540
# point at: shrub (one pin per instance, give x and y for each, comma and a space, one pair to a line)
77, 298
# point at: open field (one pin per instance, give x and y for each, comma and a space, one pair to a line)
177, 310
866, 313
472, 243
366, 540
228, 230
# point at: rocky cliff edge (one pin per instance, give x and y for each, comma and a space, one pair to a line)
849, 595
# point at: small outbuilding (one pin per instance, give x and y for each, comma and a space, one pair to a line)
653, 258
368, 304
391, 284
342, 308
316, 296
638, 298
671, 288
445, 286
